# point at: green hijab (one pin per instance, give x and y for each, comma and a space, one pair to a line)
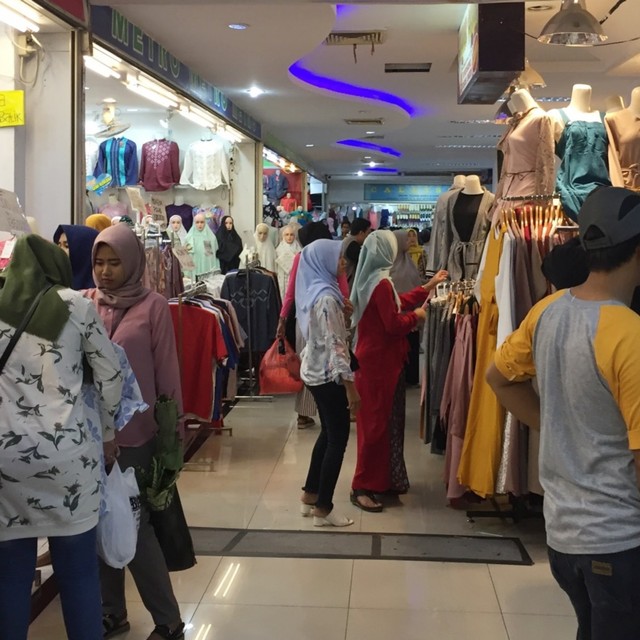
35, 263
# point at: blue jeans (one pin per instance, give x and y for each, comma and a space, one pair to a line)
604, 591
75, 565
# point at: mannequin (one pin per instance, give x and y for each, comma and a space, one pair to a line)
614, 103
202, 244
582, 146
286, 251
623, 130
277, 186
178, 200
458, 182
472, 186
176, 231
288, 203
521, 101
264, 247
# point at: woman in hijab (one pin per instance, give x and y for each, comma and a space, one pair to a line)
98, 221
50, 462
416, 252
202, 244
229, 245
77, 242
305, 405
326, 371
285, 253
176, 231
264, 247
139, 320
383, 319
405, 277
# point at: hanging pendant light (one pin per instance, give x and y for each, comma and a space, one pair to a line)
573, 26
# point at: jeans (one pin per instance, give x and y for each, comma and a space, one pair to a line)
604, 591
328, 452
75, 565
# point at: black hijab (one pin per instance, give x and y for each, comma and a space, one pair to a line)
313, 231
229, 242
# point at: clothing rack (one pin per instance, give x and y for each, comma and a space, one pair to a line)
249, 267
190, 292
533, 196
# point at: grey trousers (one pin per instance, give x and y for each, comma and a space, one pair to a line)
148, 567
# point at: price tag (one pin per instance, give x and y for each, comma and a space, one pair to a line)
12, 109
12, 219
157, 210
135, 197
208, 248
7, 250
184, 258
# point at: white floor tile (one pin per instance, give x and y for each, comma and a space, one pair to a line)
534, 627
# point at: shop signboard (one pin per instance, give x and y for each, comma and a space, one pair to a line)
73, 11
468, 48
377, 192
12, 109
131, 42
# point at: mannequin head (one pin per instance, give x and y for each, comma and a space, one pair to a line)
614, 103
228, 223
288, 235
199, 221
459, 181
522, 101
262, 232
288, 195
175, 223
581, 98
472, 185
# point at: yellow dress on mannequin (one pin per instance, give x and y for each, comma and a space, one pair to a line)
483, 435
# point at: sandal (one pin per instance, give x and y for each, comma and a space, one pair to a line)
304, 422
162, 632
357, 493
113, 626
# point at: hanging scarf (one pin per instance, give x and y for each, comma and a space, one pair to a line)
285, 252
80, 240
376, 259
316, 278
98, 221
266, 250
404, 274
35, 263
229, 243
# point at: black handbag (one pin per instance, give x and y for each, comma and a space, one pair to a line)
174, 536
23, 325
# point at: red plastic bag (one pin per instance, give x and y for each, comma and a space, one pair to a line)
280, 370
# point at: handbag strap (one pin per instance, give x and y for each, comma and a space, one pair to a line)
23, 325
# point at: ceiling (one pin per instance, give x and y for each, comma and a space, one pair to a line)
282, 33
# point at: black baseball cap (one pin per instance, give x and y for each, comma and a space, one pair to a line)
614, 213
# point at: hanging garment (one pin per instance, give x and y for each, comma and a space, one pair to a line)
623, 129
185, 211
206, 165
440, 233
277, 187
482, 441
115, 209
528, 167
159, 165
583, 150
463, 258
118, 157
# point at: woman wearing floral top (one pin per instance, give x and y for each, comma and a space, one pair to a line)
326, 370
50, 465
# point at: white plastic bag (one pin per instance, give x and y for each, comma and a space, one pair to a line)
118, 526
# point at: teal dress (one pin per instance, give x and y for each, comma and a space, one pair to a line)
583, 151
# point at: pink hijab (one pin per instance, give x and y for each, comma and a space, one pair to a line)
129, 249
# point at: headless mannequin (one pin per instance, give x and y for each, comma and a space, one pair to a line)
458, 182
634, 105
579, 109
623, 131
178, 200
466, 207
614, 103
472, 186
521, 101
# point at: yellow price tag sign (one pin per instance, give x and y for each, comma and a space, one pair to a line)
12, 109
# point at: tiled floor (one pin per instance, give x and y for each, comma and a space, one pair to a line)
256, 484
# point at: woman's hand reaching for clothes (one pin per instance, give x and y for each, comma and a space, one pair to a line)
439, 277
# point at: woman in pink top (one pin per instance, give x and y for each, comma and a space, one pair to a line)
139, 320
305, 405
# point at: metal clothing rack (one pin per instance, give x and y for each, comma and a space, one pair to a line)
249, 267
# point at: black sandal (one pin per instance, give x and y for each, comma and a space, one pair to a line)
356, 493
164, 632
113, 626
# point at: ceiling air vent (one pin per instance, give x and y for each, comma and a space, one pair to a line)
366, 122
337, 38
375, 137
408, 67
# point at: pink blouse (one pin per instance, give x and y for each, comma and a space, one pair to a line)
146, 334
290, 294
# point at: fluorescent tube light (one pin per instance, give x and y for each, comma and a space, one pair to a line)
163, 101
101, 69
17, 20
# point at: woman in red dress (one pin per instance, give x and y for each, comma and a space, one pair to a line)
383, 321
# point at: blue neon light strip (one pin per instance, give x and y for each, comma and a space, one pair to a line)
345, 88
360, 144
381, 170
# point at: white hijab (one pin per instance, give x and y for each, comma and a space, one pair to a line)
181, 234
266, 250
377, 256
285, 252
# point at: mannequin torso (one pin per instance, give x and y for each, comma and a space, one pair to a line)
614, 103
634, 105
459, 182
472, 186
522, 101
579, 109
178, 200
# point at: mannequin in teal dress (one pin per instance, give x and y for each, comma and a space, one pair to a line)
582, 146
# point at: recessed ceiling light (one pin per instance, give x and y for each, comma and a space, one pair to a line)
369, 133
372, 164
255, 92
309, 145
540, 7
367, 157
109, 100
133, 110
360, 173
238, 26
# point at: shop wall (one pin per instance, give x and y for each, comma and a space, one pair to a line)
44, 176
243, 205
7, 134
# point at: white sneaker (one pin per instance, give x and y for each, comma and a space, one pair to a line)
332, 520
